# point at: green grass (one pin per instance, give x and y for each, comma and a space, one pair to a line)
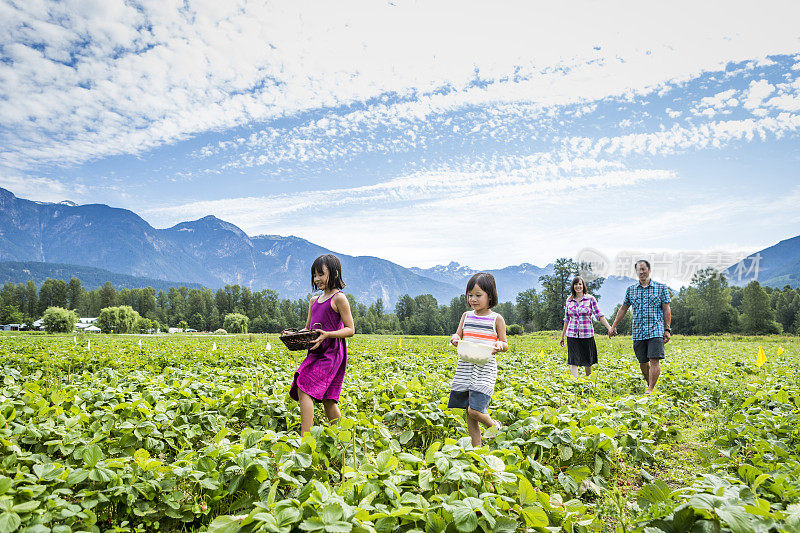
198, 434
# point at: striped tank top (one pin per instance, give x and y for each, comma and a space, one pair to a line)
469, 376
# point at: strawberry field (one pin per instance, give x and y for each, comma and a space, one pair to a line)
195, 433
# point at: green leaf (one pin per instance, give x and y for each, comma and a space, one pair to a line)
141, 456
578, 473
384, 460
312, 524
338, 527
465, 519
683, 518
224, 524
565, 452
9, 522
655, 492
77, 476
253, 438
568, 483
385, 524
5, 484
535, 517
104, 475
405, 436
286, 513
303, 460
425, 479
220, 435
505, 525
206, 464
737, 518
793, 517
273, 490
409, 458
345, 435
527, 494
332, 513
494, 462
760, 480
26, 507
432, 449
92, 455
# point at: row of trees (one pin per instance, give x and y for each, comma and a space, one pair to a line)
708, 305
200, 309
124, 319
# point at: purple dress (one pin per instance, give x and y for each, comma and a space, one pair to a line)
321, 373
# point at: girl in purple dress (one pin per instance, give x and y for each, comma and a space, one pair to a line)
320, 375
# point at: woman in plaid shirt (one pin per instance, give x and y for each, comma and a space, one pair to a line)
578, 327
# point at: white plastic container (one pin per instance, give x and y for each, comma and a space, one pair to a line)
471, 352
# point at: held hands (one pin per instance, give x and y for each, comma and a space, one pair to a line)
612, 332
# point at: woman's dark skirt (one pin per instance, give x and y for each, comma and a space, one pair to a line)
581, 352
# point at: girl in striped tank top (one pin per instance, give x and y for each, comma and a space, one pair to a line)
473, 384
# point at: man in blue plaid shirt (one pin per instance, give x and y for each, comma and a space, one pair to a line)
651, 320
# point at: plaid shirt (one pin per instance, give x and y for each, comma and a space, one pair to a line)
646, 302
578, 315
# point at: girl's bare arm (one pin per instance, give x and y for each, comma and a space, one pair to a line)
459, 331
502, 341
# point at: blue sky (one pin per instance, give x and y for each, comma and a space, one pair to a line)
419, 133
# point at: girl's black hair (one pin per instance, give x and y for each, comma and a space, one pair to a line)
335, 280
575, 280
485, 281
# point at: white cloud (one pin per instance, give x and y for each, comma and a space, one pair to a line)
446, 194
786, 102
757, 92
524, 224
166, 70
41, 189
680, 138
720, 100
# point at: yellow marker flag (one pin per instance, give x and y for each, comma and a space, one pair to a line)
400, 344
762, 357
780, 350
541, 354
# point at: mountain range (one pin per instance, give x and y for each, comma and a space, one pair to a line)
91, 278
213, 253
776, 266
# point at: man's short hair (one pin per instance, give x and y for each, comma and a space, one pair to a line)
645, 261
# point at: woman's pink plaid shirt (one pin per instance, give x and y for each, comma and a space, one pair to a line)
578, 315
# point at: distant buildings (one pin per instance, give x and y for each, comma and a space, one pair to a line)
84, 324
